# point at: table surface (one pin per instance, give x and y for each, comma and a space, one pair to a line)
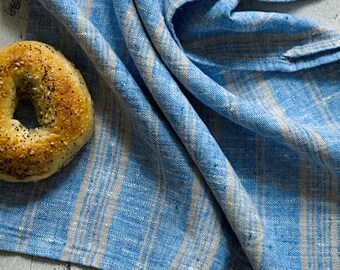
13, 28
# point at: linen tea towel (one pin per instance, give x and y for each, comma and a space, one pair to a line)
216, 143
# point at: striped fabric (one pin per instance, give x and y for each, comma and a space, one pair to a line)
216, 142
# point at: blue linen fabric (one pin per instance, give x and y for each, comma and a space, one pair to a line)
216, 141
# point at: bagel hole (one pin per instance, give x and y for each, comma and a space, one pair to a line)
25, 112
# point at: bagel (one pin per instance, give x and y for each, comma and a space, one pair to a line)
62, 104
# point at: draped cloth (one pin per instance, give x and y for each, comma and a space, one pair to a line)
216, 142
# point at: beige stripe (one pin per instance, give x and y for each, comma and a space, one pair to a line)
234, 91
314, 224
147, 256
204, 240
270, 104
330, 120
212, 248
316, 144
265, 94
264, 178
208, 253
191, 142
104, 199
331, 198
208, 243
75, 219
90, 201
258, 21
304, 245
84, 216
289, 139
141, 252
230, 206
193, 129
253, 220
149, 74
157, 37
189, 133
264, 99
332, 207
132, 23
186, 124
77, 216
191, 222
257, 168
260, 172
86, 7
184, 69
326, 229
323, 229
131, 26
197, 235
115, 195
268, 39
260, 175
268, 19
202, 234
90, 167
111, 60
334, 228
320, 145
179, 59
153, 210
241, 205
309, 223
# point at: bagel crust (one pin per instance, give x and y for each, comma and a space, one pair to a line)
62, 104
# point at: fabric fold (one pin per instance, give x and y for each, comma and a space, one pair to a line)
214, 92
216, 142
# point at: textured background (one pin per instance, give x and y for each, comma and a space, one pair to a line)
13, 19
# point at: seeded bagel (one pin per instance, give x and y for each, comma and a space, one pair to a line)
62, 104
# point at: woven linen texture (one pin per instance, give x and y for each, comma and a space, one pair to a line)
216, 141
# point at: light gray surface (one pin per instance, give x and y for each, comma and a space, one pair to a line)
13, 21
13, 28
